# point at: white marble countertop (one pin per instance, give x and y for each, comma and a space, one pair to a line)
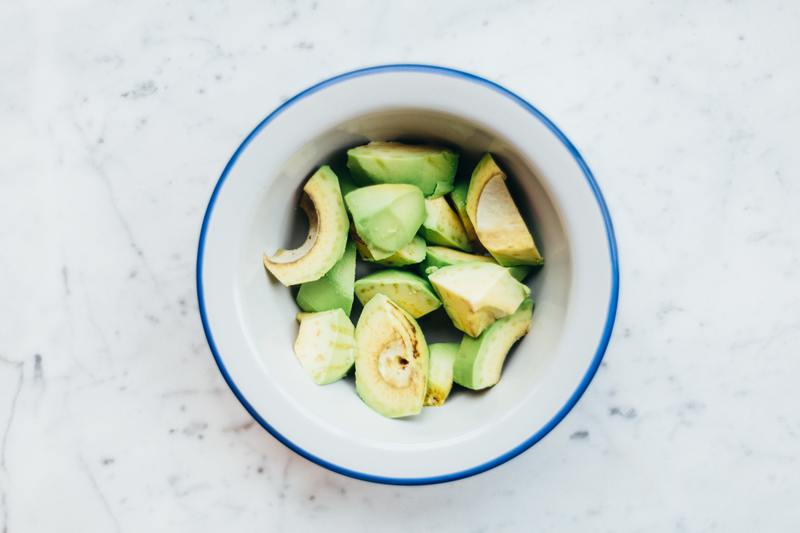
116, 119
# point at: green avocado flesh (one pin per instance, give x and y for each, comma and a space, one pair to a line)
411, 253
409, 291
334, 289
438, 256
496, 219
368, 253
440, 372
520, 272
442, 225
391, 359
325, 345
476, 294
459, 197
327, 235
346, 183
479, 362
386, 217
431, 168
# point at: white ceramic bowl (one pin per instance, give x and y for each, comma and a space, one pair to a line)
249, 318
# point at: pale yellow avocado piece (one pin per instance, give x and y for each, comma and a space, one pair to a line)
325, 345
476, 294
327, 233
391, 359
496, 219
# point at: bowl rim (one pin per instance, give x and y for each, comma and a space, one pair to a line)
612, 247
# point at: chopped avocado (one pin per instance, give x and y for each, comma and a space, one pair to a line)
440, 372
520, 272
410, 254
476, 294
391, 359
334, 289
442, 225
411, 292
325, 345
497, 221
459, 197
431, 168
480, 361
438, 256
365, 251
346, 183
386, 217
327, 233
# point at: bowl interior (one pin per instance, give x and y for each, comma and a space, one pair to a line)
267, 309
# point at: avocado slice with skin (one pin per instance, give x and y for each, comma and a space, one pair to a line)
479, 362
391, 359
496, 219
440, 372
327, 234
386, 217
325, 345
476, 294
431, 168
459, 197
442, 225
411, 292
410, 254
334, 289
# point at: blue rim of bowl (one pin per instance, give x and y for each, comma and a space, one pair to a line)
612, 304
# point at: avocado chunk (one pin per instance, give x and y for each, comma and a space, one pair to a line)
476, 294
334, 289
431, 168
459, 197
442, 225
391, 359
440, 373
409, 291
386, 217
497, 221
346, 183
366, 252
480, 361
411, 253
520, 272
325, 345
327, 233
438, 256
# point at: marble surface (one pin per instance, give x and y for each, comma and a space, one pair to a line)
116, 119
